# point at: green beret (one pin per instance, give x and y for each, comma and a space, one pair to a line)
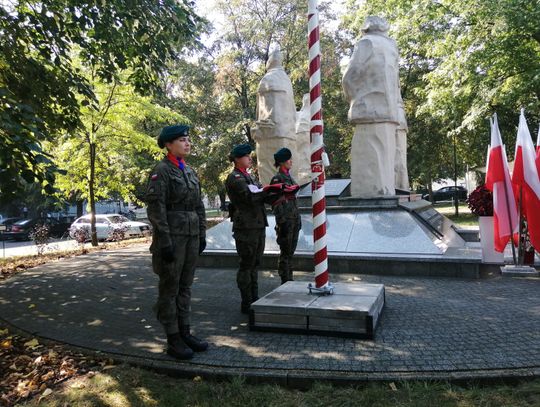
282, 155
241, 150
169, 133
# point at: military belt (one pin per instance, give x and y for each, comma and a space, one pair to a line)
180, 207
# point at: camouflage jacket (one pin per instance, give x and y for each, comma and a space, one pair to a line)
286, 209
174, 202
247, 208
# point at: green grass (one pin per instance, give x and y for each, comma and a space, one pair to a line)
464, 218
130, 387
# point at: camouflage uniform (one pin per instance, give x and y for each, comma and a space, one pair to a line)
288, 225
177, 214
249, 222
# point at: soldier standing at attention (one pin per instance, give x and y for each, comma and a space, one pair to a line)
248, 216
288, 221
177, 214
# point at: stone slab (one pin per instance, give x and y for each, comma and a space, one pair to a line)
284, 303
353, 310
519, 271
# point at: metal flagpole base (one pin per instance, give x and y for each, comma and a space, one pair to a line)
327, 289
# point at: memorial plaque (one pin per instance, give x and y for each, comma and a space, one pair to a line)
332, 187
433, 218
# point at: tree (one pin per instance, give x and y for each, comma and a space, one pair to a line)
113, 149
42, 91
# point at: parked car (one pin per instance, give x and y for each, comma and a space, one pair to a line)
21, 229
108, 227
8, 223
447, 194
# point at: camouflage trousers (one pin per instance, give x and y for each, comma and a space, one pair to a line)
287, 239
250, 248
175, 279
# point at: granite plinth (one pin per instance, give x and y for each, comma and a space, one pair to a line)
352, 311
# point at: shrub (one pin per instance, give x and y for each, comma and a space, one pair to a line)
480, 201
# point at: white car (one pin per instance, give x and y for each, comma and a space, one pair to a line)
108, 227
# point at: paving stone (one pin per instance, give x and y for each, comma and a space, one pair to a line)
458, 326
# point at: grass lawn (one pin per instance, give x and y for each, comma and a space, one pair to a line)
464, 219
124, 386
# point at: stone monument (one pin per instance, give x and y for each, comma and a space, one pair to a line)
276, 117
302, 161
400, 165
371, 86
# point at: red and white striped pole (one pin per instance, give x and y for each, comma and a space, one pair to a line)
317, 153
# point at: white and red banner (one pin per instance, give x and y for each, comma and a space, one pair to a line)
505, 215
538, 151
526, 181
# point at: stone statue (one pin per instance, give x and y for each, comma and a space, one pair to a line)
400, 165
276, 117
302, 161
371, 86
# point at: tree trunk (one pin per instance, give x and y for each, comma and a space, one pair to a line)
91, 181
79, 204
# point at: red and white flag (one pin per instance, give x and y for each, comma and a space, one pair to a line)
525, 178
505, 216
538, 151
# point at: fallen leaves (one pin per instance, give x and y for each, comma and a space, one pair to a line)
29, 368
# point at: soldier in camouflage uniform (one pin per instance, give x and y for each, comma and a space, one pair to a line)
177, 214
288, 221
248, 216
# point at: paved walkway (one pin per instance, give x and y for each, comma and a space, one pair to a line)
430, 328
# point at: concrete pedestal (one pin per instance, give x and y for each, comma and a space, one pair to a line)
352, 311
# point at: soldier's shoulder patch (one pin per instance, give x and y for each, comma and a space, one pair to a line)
237, 176
154, 177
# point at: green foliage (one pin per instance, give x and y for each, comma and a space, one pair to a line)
122, 125
461, 61
42, 91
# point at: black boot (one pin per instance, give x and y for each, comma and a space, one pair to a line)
193, 342
284, 279
177, 348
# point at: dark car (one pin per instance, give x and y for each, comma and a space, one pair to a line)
7, 222
21, 230
447, 194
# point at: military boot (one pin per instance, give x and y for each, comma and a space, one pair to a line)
196, 344
177, 348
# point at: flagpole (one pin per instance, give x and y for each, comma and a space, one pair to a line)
521, 235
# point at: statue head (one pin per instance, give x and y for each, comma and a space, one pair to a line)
375, 24
275, 60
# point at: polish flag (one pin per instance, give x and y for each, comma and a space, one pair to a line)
538, 151
505, 216
525, 177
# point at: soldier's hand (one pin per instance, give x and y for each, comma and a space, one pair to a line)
167, 254
202, 244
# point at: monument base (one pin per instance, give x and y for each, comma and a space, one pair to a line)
352, 311
519, 271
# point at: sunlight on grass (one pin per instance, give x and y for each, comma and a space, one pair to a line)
124, 386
